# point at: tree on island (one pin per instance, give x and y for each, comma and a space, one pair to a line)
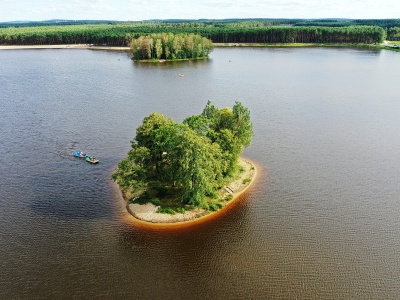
192, 159
170, 46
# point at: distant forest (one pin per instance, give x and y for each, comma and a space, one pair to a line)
117, 33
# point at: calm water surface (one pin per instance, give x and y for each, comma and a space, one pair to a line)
322, 222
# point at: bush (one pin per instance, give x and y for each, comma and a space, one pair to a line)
142, 199
246, 180
156, 201
228, 197
212, 194
166, 210
212, 206
146, 195
181, 210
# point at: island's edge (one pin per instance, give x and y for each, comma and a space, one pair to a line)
236, 196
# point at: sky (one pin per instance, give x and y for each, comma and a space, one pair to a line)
135, 10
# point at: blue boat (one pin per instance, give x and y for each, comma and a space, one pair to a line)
81, 154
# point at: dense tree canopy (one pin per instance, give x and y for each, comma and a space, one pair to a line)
171, 46
195, 157
393, 34
218, 31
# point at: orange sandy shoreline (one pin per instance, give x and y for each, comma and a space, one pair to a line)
146, 215
69, 46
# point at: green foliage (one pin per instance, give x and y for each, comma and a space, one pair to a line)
156, 201
161, 191
160, 43
231, 129
180, 210
246, 180
130, 175
212, 194
198, 123
193, 158
228, 197
212, 206
144, 198
171, 46
393, 34
166, 211
146, 138
144, 133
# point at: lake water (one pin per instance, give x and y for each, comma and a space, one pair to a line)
321, 222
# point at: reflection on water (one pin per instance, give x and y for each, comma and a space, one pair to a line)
320, 223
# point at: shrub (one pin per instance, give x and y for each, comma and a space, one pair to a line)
166, 210
142, 199
181, 210
228, 197
212, 206
156, 201
246, 180
212, 194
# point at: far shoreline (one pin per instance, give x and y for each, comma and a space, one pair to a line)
386, 45
146, 214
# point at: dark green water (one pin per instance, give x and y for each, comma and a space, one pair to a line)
322, 222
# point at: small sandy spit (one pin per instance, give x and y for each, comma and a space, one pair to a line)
148, 212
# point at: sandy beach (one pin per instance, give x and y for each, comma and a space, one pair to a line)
148, 212
70, 46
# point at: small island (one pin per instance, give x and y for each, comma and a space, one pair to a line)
177, 172
161, 47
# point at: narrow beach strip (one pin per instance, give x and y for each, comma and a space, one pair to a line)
146, 215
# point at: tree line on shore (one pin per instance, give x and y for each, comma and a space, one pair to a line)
218, 31
193, 159
393, 34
